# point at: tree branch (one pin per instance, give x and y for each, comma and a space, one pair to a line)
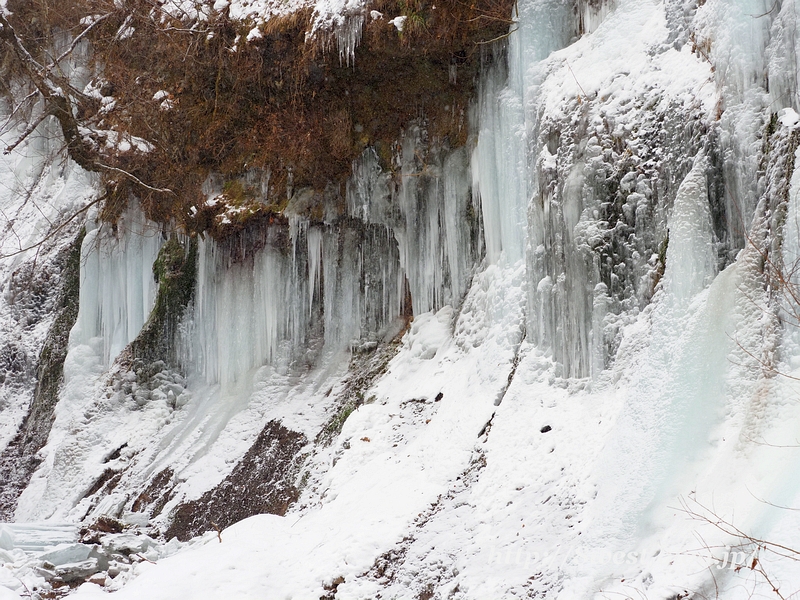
29, 130
133, 178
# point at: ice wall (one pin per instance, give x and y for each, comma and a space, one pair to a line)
117, 283
241, 313
430, 214
327, 288
735, 37
336, 285
503, 157
578, 171
782, 54
679, 390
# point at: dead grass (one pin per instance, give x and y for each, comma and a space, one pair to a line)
278, 103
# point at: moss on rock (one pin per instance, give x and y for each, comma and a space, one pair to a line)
175, 270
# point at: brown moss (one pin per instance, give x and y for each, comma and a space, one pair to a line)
276, 103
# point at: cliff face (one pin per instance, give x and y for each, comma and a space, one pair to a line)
468, 298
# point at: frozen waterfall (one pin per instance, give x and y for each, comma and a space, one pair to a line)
118, 287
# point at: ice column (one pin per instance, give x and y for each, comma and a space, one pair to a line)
734, 35
242, 312
501, 161
691, 259
118, 287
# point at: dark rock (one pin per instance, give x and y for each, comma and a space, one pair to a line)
262, 482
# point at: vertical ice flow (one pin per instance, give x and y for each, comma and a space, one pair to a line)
691, 260
429, 213
501, 161
117, 283
678, 392
241, 313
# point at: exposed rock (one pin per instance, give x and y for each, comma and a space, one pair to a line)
262, 482
18, 460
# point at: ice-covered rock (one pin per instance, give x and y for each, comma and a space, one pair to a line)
77, 571
65, 554
127, 543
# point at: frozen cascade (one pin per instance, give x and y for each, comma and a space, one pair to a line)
735, 37
430, 214
337, 284
569, 194
784, 60
435, 244
791, 245
369, 191
117, 283
240, 314
344, 260
663, 426
691, 260
502, 160
590, 14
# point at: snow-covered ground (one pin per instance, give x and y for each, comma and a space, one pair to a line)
505, 452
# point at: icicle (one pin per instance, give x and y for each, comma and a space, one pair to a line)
435, 246
348, 36
297, 228
369, 190
314, 240
242, 313
117, 283
592, 14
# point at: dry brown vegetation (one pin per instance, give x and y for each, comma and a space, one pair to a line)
280, 104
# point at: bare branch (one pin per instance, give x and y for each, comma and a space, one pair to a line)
133, 178
17, 107
55, 230
28, 130
79, 37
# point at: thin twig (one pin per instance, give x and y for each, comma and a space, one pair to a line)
29, 130
499, 37
55, 230
135, 179
585, 95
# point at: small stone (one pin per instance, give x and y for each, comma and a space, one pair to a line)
545, 429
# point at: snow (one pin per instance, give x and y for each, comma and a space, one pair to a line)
788, 117
38, 189
399, 22
543, 430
